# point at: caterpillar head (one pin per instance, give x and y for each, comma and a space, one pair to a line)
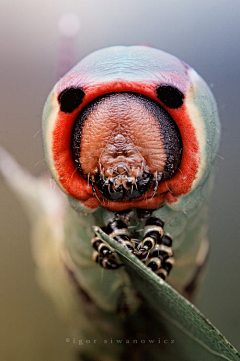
127, 127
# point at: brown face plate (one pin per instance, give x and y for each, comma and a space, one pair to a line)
123, 137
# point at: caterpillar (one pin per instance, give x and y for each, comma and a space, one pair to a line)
130, 136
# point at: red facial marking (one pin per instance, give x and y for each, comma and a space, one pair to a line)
168, 190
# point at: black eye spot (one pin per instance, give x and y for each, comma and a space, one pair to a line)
170, 96
70, 99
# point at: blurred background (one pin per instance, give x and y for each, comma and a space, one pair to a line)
205, 34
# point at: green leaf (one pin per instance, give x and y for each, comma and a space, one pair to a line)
190, 335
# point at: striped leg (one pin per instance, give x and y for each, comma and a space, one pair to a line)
155, 250
103, 254
153, 232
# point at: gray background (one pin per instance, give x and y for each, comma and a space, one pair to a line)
203, 33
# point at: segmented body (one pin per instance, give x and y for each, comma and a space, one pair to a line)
175, 192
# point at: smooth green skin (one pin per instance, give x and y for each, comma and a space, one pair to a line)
187, 230
106, 287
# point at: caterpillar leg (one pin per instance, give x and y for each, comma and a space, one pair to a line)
155, 250
103, 254
108, 262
